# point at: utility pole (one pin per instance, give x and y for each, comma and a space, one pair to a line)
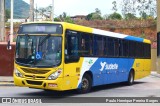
52, 10
11, 26
158, 36
31, 10
36, 13
2, 20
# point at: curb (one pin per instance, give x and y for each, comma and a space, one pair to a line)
155, 75
6, 83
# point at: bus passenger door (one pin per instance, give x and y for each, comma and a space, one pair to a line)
72, 64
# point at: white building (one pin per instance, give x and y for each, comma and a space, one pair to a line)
18, 20
40, 17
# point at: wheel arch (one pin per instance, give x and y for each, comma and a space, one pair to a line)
90, 74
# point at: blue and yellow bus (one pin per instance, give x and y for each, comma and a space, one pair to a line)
62, 56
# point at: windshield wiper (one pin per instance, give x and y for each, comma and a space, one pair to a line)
44, 39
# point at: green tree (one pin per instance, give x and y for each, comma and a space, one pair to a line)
8, 14
89, 16
152, 9
125, 7
130, 16
49, 10
97, 11
114, 8
128, 6
95, 15
57, 19
144, 8
141, 6
115, 16
42, 11
144, 15
68, 19
64, 17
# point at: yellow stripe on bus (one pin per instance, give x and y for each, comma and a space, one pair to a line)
147, 41
78, 28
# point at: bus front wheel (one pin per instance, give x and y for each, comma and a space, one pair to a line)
86, 84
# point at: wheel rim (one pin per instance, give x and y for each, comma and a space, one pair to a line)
85, 84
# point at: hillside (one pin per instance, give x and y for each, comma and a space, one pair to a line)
21, 8
141, 28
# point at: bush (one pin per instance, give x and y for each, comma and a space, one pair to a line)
115, 16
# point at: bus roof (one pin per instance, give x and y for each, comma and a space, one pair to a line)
95, 31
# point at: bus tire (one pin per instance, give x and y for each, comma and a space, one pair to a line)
86, 84
130, 78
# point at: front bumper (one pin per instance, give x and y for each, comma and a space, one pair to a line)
40, 84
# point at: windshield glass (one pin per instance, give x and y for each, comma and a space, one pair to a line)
38, 51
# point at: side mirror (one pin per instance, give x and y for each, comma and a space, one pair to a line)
9, 47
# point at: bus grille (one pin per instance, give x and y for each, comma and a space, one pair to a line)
35, 71
34, 82
31, 76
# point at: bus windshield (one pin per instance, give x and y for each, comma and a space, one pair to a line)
38, 51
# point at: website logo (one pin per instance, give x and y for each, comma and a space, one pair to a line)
106, 66
6, 100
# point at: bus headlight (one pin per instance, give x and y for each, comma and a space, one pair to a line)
18, 74
55, 75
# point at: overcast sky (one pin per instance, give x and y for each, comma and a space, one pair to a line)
77, 7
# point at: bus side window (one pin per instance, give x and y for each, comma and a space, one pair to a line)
116, 47
125, 48
85, 47
147, 51
71, 47
100, 46
121, 48
132, 52
110, 47
97, 42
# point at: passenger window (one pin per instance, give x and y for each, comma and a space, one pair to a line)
110, 47
116, 47
71, 47
85, 44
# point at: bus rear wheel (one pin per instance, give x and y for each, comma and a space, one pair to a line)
131, 78
86, 84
